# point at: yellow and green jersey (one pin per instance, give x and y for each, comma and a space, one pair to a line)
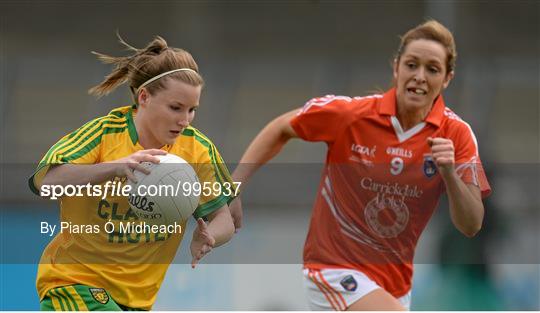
130, 266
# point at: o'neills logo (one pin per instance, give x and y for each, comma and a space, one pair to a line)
400, 152
391, 188
363, 150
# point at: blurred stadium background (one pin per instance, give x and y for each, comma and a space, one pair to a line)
260, 59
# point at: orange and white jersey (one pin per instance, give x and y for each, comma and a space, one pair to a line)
380, 184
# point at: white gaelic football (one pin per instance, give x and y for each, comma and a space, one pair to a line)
159, 198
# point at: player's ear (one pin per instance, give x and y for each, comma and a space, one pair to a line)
447, 79
142, 97
395, 68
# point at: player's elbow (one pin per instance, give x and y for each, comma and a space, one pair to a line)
53, 176
469, 227
471, 230
468, 219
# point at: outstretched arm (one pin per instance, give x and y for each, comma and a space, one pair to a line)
267, 144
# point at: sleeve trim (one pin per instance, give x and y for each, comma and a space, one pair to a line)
211, 206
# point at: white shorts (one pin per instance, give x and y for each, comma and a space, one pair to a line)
337, 289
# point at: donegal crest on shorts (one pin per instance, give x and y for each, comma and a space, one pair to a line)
430, 168
100, 295
349, 283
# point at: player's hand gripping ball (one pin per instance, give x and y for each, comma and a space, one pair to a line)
159, 198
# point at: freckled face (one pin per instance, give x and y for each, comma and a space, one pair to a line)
421, 74
169, 111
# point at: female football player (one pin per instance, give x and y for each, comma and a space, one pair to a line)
390, 156
97, 270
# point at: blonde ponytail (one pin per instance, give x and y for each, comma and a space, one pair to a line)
156, 58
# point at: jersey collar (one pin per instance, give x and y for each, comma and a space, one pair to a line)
131, 125
388, 107
133, 130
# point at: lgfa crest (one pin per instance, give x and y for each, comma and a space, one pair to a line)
430, 168
349, 283
100, 295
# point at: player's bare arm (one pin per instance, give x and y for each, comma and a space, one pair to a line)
207, 236
220, 225
466, 207
266, 145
